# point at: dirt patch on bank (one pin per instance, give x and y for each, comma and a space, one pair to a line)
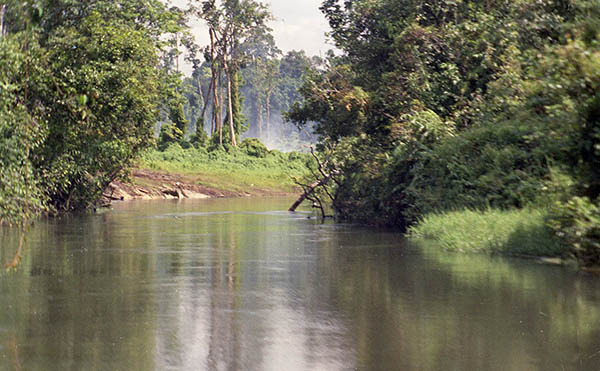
153, 185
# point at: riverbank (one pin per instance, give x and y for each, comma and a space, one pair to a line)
520, 233
178, 173
154, 185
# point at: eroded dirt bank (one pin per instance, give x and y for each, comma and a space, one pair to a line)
152, 185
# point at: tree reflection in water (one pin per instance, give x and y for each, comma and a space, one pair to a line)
186, 286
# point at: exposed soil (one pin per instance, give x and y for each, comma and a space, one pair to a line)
151, 185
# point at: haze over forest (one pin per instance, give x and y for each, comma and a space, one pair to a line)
298, 28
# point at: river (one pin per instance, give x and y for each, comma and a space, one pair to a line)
239, 284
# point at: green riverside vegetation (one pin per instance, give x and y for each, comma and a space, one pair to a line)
514, 232
86, 87
477, 121
233, 169
80, 86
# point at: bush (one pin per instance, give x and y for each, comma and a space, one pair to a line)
500, 165
21, 133
169, 134
200, 139
373, 189
254, 147
577, 223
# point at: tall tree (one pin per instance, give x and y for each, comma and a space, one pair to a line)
234, 25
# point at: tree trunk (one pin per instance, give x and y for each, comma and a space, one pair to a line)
309, 189
213, 71
268, 107
201, 95
215, 105
259, 117
2, 10
206, 99
230, 108
220, 109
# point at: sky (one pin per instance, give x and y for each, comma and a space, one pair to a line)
298, 24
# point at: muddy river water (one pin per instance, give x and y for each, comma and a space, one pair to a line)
241, 284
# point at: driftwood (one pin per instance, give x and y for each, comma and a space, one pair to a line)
172, 192
308, 191
322, 179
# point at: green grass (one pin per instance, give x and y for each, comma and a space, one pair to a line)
233, 170
511, 232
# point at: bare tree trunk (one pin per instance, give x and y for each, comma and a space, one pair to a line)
215, 107
309, 189
206, 99
268, 107
200, 93
212, 121
259, 118
220, 109
213, 81
230, 108
2, 11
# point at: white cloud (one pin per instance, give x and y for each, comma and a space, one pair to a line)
298, 25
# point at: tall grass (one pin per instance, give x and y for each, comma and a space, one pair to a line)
234, 170
509, 232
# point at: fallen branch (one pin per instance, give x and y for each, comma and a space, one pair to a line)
309, 189
322, 179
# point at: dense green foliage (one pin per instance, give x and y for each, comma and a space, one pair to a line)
86, 86
432, 106
577, 223
22, 131
443, 105
109, 73
81, 88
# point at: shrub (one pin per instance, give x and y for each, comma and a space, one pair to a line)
500, 165
200, 139
21, 133
577, 222
254, 147
169, 134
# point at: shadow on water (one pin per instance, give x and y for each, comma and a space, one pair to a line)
231, 284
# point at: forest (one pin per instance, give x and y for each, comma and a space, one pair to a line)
430, 112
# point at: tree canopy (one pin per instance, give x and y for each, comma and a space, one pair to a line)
85, 81
442, 105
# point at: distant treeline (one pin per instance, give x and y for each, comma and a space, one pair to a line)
268, 85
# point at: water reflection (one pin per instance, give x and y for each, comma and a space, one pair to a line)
231, 285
